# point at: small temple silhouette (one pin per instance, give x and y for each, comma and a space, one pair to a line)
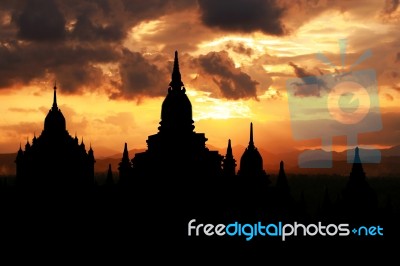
55, 158
229, 162
251, 162
359, 199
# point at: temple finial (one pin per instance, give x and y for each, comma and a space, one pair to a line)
357, 156
55, 107
357, 171
229, 149
251, 142
176, 81
125, 154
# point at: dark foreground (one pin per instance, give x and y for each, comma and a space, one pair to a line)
152, 222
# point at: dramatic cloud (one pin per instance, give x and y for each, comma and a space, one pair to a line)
231, 81
390, 6
240, 48
41, 20
76, 42
141, 77
75, 76
396, 88
71, 65
310, 86
70, 40
86, 30
389, 97
243, 15
397, 57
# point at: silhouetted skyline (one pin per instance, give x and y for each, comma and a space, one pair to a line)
177, 158
138, 143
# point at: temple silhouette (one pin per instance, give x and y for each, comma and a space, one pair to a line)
251, 162
176, 151
178, 161
55, 159
359, 200
177, 170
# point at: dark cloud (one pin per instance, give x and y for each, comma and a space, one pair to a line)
389, 97
299, 71
183, 35
111, 20
69, 40
22, 64
396, 88
41, 20
231, 81
74, 76
397, 57
239, 48
310, 84
145, 10
243, 15
87, 30
390, 6
140, 77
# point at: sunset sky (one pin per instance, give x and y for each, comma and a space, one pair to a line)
112, 60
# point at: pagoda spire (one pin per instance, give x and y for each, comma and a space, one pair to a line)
55, 107
125, 167
229, 163
176, 81
281, 168
125, 155
282, 182
357, 156
251, 142
229, 149
357, 170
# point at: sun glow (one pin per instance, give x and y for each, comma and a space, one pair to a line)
205, 107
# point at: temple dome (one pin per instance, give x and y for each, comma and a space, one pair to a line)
176, 112
251, 162
251, 159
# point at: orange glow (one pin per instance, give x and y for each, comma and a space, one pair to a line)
107, 124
